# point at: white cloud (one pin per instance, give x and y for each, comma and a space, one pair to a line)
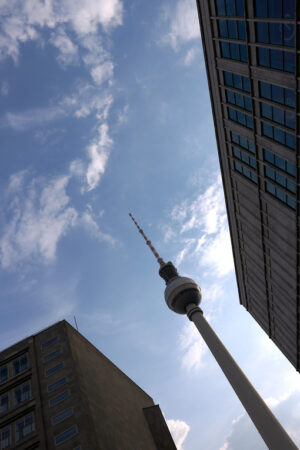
179, 431
190, 56
88, 221
98, 152
4, 88
102, 72
32, 118
183, 25
192, 347
68, 51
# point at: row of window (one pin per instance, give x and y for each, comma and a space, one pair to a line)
232, 29
276, 59
244, 157
263, 8
279, 115
243, 101
280, 163
280, 179
49, 342
14, 397
230, 8
275, 33
23, 427
17, 366
243, 142
237, 81
237, 52
240, 117
280, 195
276, 134
245, 171
277, 94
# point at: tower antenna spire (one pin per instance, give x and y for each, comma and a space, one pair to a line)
153, 250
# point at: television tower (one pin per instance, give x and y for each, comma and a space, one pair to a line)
183, 296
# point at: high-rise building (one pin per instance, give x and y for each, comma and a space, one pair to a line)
252, 56
58, 391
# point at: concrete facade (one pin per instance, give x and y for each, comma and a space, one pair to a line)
58, 391
252, 60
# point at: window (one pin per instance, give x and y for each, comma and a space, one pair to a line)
237, 52
245, 171
280, 195
280, 179
275, 8
243, 142
3, 373
54, 369
62, 416
59, 398
5, 438
66, 435
4, 403
236, 81
49, 343
240, 117
22, 393
278, 115
275, 33
52, 355
232, 29
276, 59
20, 364
55, 385
277, 94
279, 162
230, 8
243, 101
24, 427
278, 135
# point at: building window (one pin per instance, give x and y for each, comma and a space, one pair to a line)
230, 8
244, 157
22, 393
62, 416
5, 438
49, 343
24, 427
280, 179
275, 8
4, 403
279, 162
275, 33
237, 52
279, 115
52, 355
245, 171
20, 364
59, 398
232, 29
276, 59
3, 374
236, 81
66, 435
240, 117
278, 135
243, 142
280, 195
277, 94
54, 369
243, 101
57, 384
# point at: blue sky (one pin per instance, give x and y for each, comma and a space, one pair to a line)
104, 109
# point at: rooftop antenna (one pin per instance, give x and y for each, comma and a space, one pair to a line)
183, 296
76, 323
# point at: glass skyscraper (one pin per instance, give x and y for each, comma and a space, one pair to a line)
251, 51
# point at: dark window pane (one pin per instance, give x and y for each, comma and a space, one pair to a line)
248, 104
291, 168
232, 114
277, 94
228, 79
237, 81
278, 115
289, 62
243, 142
289, 35
221, 8
268, 156
232, 29
266, 111
234, 50
239, 100
279, 135
261, 9
239, 8
249, 122
59, 398
236, 152
238, 166
275, 8
289, 9
280, 179
276, 57
253, 163
54, 369
230, 97
265, 90
235, 137
65, 435
279, 162
246, 84
262, 34
291, 186
245, 158
241, 30
223, 28
241, 118
290, 98
275, 33
270, 173
290, 120
267, 130
263, 57
3, 373
246, 172
291, 202
291, 141
270, 188
230, 9
251, 147
63, 415
281, 195
243, 52
225, 49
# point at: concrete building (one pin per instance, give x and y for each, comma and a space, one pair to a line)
252, 59
58, 391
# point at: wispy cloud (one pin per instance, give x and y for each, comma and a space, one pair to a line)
179, 430
98, 152
193, 348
